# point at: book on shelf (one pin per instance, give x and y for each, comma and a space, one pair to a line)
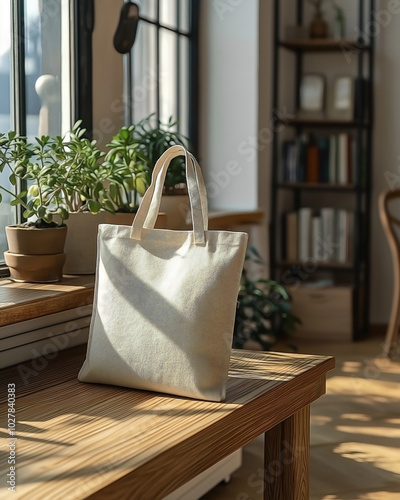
312, 163
291, 236
304, 233
324, 235
326, 159
316, 236
328, 235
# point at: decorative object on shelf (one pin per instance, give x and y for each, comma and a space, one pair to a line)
341, 99
164, 305
263, 317
318, 26
312, 96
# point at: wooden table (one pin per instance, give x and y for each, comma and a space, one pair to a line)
77, 440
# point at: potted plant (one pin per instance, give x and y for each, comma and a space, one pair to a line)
153, 138
36, 248
128, 176
66, 181
263, 317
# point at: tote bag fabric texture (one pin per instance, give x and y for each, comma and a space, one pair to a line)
165, 301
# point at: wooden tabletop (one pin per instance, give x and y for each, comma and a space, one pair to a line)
77, 440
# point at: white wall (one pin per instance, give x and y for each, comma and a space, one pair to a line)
386, 152
229, 102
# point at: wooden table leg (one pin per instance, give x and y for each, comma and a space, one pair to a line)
287, 455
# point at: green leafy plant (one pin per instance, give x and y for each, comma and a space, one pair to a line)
264, 315
128, 173
58, 175
153, 138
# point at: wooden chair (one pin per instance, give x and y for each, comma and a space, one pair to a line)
389, 222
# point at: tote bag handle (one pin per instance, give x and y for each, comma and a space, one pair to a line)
149, 207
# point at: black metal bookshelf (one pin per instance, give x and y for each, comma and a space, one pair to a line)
359, 190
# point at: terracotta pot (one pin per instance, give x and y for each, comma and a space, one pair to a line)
35, 268
81, 243
125, 219
35, 255
36, 241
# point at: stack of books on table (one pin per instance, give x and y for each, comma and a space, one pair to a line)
325, 235
327, 159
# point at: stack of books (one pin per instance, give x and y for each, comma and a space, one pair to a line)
323, 236
327, 159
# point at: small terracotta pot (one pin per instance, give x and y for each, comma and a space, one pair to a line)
35, 268
36, 241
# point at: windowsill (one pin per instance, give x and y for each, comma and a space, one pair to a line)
25, 301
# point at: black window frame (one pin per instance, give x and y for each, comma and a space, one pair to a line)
84, 24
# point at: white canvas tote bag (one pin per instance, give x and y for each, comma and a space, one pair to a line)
165, 301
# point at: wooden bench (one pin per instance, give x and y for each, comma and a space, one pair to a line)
76, 440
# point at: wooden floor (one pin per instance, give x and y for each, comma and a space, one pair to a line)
355, 431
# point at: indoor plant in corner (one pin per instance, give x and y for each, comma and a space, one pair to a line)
153, 138
263, 317
36, 248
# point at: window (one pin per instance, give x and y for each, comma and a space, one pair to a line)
34, 79
37, 68
164, 63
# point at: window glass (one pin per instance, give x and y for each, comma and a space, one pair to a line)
144, 72
7, 214
184, 13
160, 63
168, 75
184, 86
43, 67
168, 13
47, 59
148, 8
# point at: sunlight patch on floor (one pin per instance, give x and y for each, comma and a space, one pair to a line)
370, 431
320, 420
374, 495
382, 457
359, 417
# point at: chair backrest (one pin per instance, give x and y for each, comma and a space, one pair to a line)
389, 222
391, 226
